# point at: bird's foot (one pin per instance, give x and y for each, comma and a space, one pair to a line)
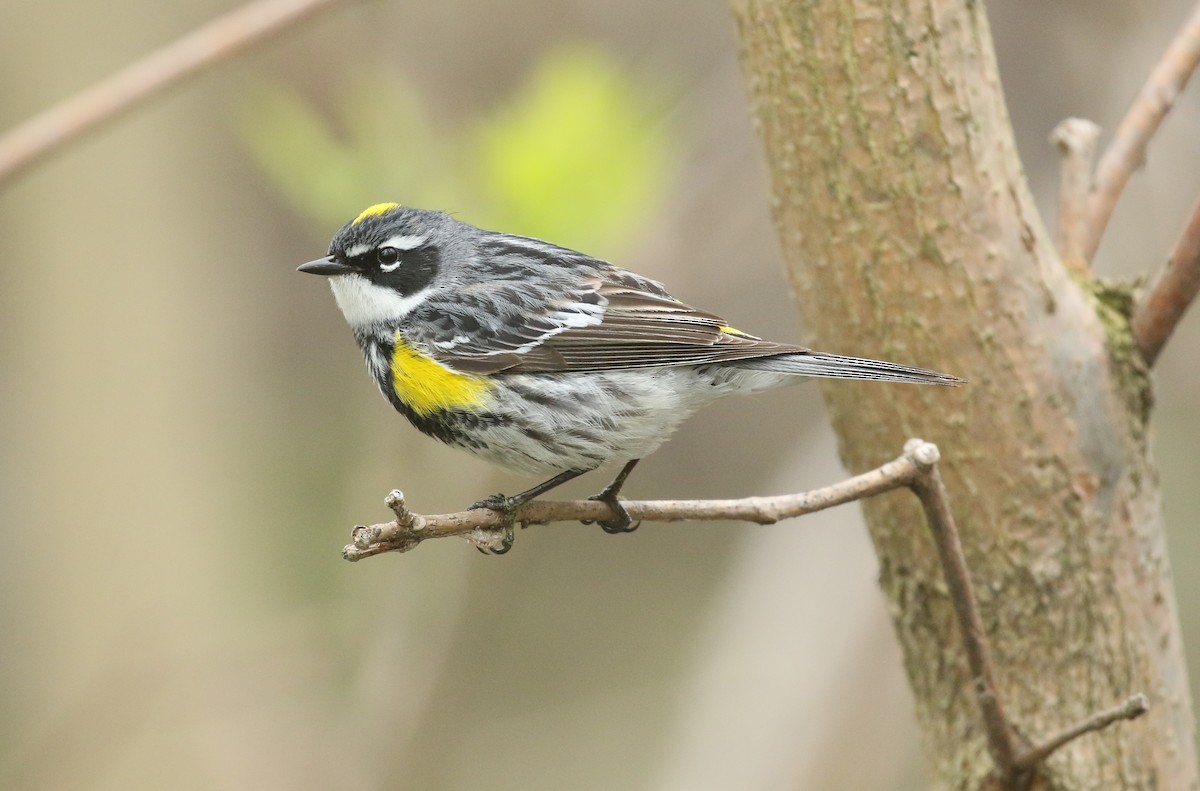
506, 542
507, 508
497, 502
623, 523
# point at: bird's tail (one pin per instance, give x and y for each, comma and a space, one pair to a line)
835, 366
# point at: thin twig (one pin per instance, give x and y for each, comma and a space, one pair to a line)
1127, 151
1075, 139
1131, 709
218, 40
484, 527
1000, 736
1157, 313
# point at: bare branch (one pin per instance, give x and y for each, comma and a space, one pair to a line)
206, 46
1158, 312
484, 527
1127, 151
1075, 139
1131, 709
1000, 736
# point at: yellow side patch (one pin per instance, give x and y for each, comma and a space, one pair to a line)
732, 331
375, 211
428, 387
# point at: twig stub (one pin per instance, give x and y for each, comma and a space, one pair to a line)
1075, 139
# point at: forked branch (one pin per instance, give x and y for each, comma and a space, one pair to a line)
1016, 763
1086, 201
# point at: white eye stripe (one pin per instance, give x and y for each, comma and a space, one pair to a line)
406, 241
401, 242
528, 243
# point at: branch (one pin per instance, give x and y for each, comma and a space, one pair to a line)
1158, 312
1015, 770
932, 494
1075, 139
1131, 709
916, 468
1127, 151
107, 99
486, 528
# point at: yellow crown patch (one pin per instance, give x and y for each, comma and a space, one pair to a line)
375, 211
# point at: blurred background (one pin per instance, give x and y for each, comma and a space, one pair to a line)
188, 432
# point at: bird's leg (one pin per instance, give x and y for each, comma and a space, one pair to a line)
506, 505
608, 495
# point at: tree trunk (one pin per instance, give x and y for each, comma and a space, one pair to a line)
910, 234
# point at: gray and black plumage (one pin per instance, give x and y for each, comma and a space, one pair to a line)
538, 357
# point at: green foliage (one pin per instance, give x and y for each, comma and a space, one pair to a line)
579, 154
576, 154
329, 173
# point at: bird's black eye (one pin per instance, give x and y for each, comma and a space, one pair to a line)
388, 258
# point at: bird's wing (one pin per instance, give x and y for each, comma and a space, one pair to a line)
572, 313
640, 328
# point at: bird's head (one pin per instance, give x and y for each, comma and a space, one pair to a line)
384, 262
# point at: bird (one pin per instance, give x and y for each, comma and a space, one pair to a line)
540, 358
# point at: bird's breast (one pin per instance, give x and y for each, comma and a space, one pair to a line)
426, 386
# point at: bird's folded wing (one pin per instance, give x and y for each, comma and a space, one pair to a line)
608, 319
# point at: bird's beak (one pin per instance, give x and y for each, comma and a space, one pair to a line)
326, 266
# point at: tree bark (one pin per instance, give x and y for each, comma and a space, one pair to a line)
910, 234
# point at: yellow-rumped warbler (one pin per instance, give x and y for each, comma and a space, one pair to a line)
540, 358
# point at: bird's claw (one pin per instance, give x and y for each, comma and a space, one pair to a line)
506, 542
506, 507
623, 523
614, 526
